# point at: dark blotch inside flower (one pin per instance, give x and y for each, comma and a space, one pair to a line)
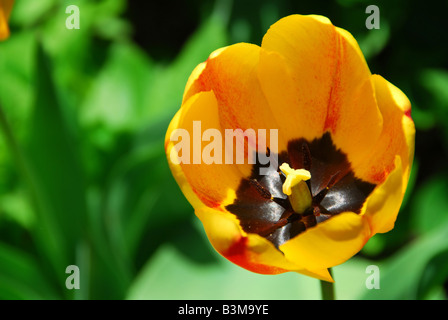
263, 208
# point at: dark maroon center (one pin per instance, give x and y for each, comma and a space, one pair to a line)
263, 208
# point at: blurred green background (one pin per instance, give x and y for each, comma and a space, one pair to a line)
83, 175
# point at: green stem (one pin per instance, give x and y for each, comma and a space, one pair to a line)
327, 289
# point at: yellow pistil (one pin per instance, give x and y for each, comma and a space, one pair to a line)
296, 188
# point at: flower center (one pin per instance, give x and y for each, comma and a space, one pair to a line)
296, 189
286, 202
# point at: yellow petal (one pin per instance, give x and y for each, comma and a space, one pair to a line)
321, 84
384, 203
176, 169
296, 112
329, 243
232, 74
192, 87
397, 136
249, 251
208, 183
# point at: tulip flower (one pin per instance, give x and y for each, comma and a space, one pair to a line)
344, 149
5, 10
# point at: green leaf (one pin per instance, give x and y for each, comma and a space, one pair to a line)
28, 12
430, 205
350, 278
17, 59
116, 99
15, 206
21, 277
164, 94
434, 82
400, 275
375, 40
169, 275
56, 175
142, 196
135, 185
434, 276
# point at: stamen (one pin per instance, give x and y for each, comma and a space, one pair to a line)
296, 188
293, 177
